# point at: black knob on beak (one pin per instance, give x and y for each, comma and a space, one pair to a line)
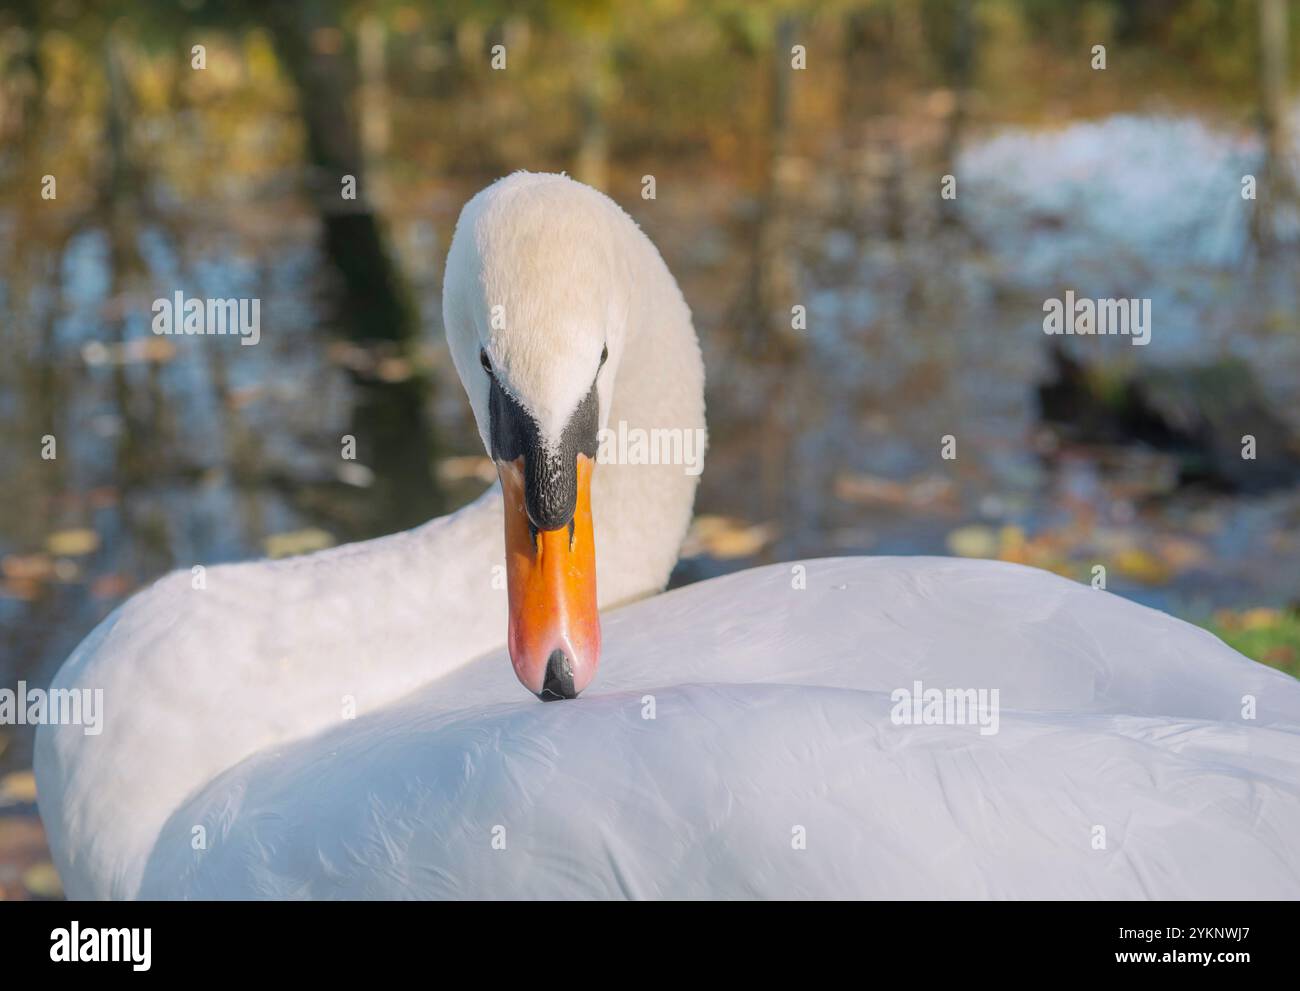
559, 678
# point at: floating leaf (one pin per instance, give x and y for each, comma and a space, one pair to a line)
462, 469
1180, 553
298, 542
72, 543
27, 567
975, 540
1142, 565
110, 586
42, 880
1260, 619
727, 538
928, 491
18, 788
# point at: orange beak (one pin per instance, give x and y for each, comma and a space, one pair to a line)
554, 636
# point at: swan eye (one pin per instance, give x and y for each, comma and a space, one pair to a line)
484, 361
604, 353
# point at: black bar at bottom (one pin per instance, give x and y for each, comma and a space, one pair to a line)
334, 940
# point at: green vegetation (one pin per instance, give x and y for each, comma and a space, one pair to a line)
1270, 636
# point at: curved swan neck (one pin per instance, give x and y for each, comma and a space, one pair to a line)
642, 510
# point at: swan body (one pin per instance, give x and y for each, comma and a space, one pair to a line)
345, 724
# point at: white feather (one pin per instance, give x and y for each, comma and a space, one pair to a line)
771, 703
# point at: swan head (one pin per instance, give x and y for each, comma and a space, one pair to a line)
535, 305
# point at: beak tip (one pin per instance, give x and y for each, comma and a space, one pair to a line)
547, 696
558, 683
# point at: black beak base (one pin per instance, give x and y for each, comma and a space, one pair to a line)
550, 495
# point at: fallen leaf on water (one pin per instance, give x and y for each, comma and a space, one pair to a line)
1012, 538
726, 537
465, 468
111, 586
1180, 553
868, 489
1049, 550
149, 349
975, 540
18, 788
1143, 566
27, 567
1259, 619
298, 542
157, 350
42, 880
72, 543
931, 491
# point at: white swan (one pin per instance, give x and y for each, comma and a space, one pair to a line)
746, 737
